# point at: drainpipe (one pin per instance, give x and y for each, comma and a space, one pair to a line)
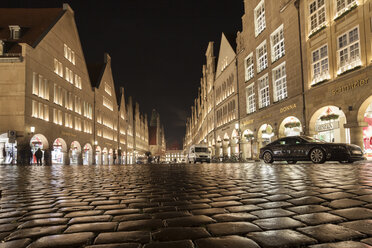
304, 130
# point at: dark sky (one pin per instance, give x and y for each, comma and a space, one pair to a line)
157, 47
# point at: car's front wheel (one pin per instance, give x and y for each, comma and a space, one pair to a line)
268, 158
317, 156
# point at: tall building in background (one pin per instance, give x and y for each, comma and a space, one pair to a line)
156, 137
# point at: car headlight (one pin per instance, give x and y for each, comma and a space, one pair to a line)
358, 152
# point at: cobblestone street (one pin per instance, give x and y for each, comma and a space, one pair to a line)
203, 205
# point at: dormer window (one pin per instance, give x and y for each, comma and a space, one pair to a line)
15, 32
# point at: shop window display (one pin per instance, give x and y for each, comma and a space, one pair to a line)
367, 133
329, 126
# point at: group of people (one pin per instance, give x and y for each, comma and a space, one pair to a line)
28, 157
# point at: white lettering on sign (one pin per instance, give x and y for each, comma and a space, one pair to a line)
327, 126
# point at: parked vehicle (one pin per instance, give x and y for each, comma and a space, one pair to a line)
199, 153
304, 148
141, 160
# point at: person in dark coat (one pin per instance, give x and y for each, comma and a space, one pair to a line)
47, 157
38, 155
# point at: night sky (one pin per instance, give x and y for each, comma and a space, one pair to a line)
157, 47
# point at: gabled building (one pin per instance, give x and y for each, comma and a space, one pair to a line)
48, 100
130, 133
122, 127
226, 100
106, 112
156, 137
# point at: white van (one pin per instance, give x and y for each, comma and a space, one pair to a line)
199, 153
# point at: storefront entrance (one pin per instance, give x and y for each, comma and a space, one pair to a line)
59, 151
247, 141
265, 135
8, 151
36, 142
104, 156
329, 125
98, 156
87, 154
367, 132
290, 126
75, 153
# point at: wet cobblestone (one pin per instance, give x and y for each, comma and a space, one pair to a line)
196, 206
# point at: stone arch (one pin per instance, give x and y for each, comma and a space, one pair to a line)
98, 155
265, 135
59, 151
87, 154
331, 130
38, 141
75, 153
104, 156
365, 120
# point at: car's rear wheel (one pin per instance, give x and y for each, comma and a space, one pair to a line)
268, 158
317, 156
291, 161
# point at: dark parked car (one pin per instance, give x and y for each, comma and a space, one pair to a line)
304, 148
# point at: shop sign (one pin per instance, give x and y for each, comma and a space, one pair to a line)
287, 108
68, 134
327, 126
350, 86
247, 122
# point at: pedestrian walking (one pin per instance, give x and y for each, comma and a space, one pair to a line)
47, 157
38, 155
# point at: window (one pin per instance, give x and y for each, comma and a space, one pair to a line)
108, 89
317, 15
250, 96
35, 84
277, 44
319, 66
280, 82
69, 54
249, 70
58, 68
344, 5
40, 86
259, 18
107, 103
77, 81
264, 93
69, 76
39, 110
348, 52
261, 54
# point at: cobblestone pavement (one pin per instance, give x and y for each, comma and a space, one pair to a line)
204, 206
